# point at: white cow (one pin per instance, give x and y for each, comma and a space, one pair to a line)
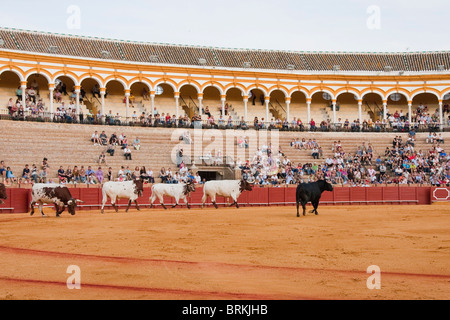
131, 190
177, 191
227, 188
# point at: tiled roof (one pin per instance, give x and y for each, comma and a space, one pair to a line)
97, 48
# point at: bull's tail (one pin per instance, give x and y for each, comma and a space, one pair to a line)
298, 198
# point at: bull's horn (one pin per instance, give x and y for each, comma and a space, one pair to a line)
80, 201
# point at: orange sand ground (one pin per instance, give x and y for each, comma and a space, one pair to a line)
250, 254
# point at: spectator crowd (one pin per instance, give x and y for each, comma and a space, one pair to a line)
400, 164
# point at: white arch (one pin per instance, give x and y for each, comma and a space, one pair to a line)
444, 94
286, 94
256, 88
49, 80
170, 84
323, 90
305, 93
99, 81
125, 87
15, 72
431, 92
349, 91
214, 86
189, 84
381, 95
143, 82
75, 81
235, 87
399, 92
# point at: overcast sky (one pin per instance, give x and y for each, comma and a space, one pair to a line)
320, 25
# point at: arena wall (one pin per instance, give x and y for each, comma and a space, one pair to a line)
19, 199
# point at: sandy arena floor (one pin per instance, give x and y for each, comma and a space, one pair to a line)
249, 254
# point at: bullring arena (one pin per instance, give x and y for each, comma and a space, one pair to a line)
398, 222
245, 254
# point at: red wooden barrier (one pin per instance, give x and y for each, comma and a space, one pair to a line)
440, 194
19, 199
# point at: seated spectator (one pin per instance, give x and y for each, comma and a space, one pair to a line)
312, 125
125, 142
32, 94
99, 175
76, 175
109, 174
43, 175
61, 175
430, 138
69, 175
82, 175
95, 138
102, 158
111, 150
207, 112
91, 178
440, 138
127, 153
197, 179
114, 139
57, 96
121, 175
90, 172
315, 153
34, 174
103, 138
120, 139
243, 124
26, 172
137, 144
163, 175
150, 176
10, 176
143, 174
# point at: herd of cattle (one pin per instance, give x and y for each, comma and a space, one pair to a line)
60, 196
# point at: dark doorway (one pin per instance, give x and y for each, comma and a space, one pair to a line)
209, 176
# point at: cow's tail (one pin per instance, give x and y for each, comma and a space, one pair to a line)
152, 197
204, 197
105, 199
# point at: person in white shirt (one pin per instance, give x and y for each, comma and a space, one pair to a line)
184, 169
32, 95
121, 174
151, 178
95, 138
127, 153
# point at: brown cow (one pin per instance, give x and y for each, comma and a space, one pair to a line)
53, 193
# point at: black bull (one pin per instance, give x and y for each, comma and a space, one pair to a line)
311, 192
